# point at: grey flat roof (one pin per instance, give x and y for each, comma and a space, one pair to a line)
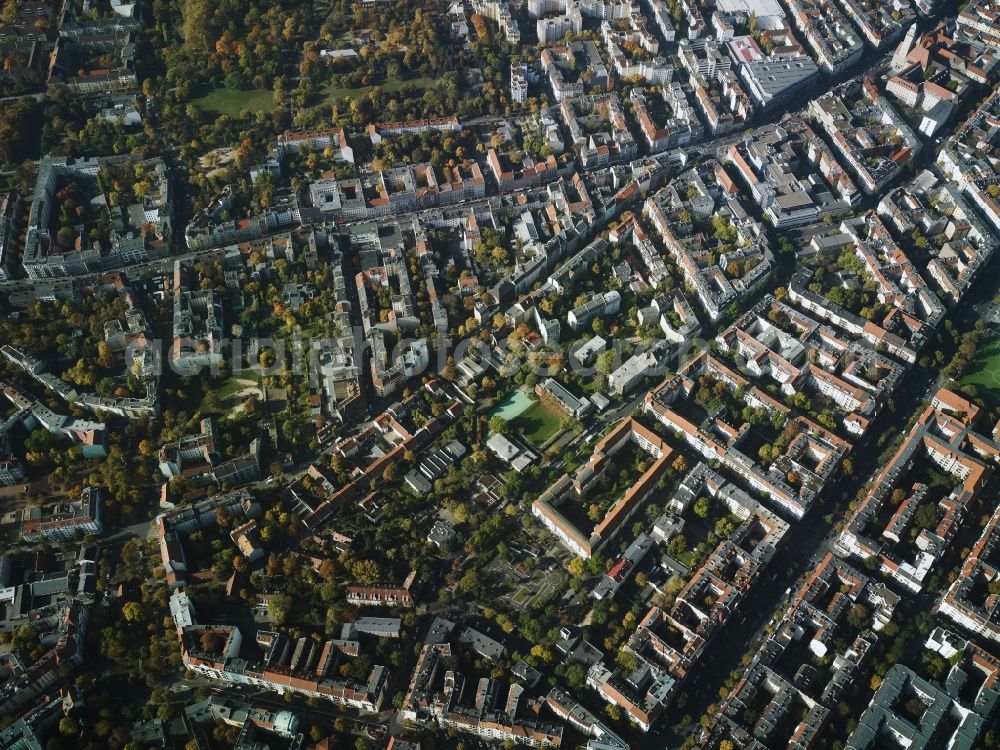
776, 76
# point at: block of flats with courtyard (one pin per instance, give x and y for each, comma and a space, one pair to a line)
919, 500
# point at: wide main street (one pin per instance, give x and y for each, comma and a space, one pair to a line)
562, 465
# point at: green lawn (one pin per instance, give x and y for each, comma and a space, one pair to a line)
537, 423
984, 372
232, 102
332, 95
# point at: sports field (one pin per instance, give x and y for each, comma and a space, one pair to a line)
538, 423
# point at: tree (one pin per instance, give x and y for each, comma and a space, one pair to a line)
19, 126
925, 622
541, 653
857, 617
673, 586
701, 507
936, 665
915, 708
627, 660
498, 425
724, 527
461, 512
469, 582
132, 611
574, 675
365, 572
605, 362
392, 473
278, 607
926, 516
677, 545
266, 358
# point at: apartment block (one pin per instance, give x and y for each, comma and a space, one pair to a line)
829, 34
831, 628
573, 489
880, 528
968, 601
66, 521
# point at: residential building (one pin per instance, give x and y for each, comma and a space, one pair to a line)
830, 35
600, 736
379, 130
197, 325
598, 130
680, 128
498, 11
964, 162
141, 221
961, 242
23, 680
599, 306
884, 718
879, 25
770, 705
8, 211
981, 19
305, 668
574, 68
384, 595
574, 488
812, 456
298, 141
951, 442
638, 367
65, 522
876, 151
435, 693
518, 83
965, 602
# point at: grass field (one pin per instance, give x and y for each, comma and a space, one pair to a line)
332, 95
232, 102
537, 423
236, 383
224, 396
984, 372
